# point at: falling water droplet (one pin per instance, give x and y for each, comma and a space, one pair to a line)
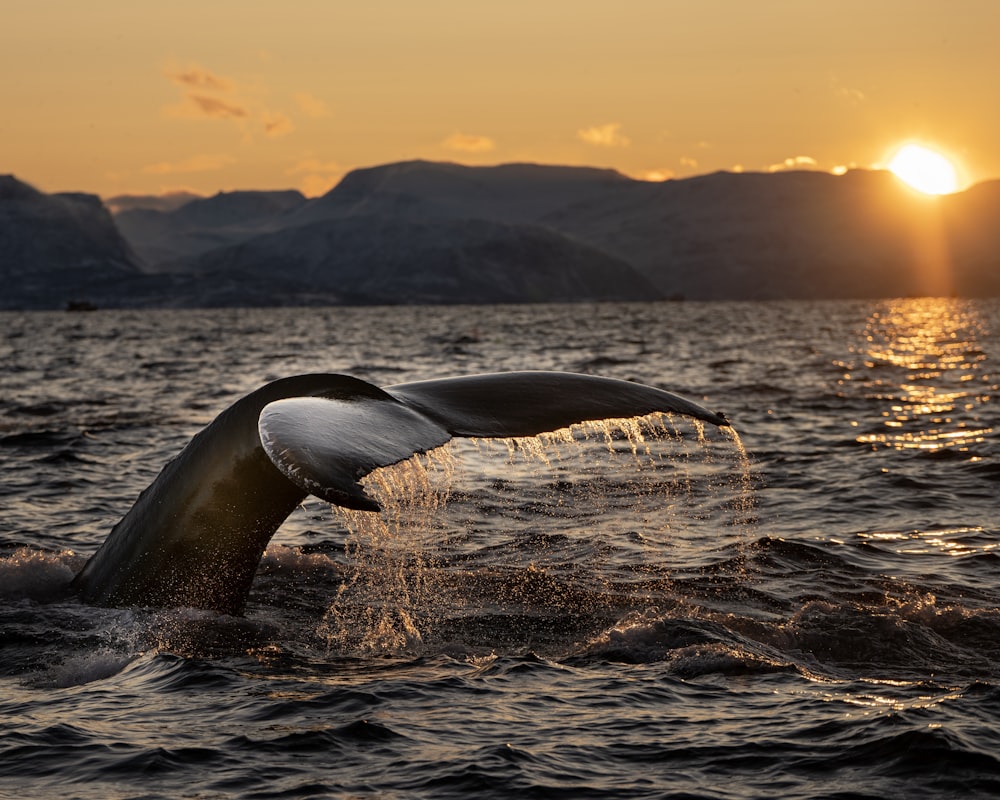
548, 535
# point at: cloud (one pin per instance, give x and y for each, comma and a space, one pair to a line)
215, 108
316, 177
843, 169
657, 175
609, 135
197, 77
206, 95
312, 106
469, 144
200, 163
854, 96
690, 163
847, 93
795, 162
276, 124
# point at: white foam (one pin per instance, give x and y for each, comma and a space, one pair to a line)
86, 668
35, 574
281, 557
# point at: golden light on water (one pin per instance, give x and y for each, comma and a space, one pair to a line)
954, 542
924, 169
923, 359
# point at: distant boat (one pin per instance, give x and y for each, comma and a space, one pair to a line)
80, 305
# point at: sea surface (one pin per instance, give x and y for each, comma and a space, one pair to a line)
809, 608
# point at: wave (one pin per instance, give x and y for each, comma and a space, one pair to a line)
32, 574
764, 606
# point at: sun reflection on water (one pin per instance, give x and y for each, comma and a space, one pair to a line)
922, 358
955, 542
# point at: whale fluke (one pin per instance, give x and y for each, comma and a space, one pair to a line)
324, 445
528, 403
196, 535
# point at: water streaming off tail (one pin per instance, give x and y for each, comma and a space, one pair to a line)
493, 542
380, 605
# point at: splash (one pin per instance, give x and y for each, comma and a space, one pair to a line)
545, 534
384, 603
36, 574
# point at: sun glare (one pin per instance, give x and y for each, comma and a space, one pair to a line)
925, 170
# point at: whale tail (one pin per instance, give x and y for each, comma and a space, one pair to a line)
196, 535
324, 445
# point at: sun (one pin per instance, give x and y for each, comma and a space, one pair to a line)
925, 170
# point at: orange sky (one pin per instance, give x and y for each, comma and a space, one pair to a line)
113, 96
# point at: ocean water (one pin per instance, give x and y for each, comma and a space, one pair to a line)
808, 609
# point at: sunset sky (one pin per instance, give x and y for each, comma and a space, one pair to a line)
113, 96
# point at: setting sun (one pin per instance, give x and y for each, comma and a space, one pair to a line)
925, 170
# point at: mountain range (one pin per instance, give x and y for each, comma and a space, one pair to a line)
427, 232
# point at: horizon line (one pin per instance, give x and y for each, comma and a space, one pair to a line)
836, 172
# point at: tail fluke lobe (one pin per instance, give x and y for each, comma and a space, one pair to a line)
325, 445
528, 403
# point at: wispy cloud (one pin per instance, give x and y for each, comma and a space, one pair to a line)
199, 163
850, 94
657, 175
205, 95
316, 177
467, 143
276, 124
216, 108
794, 162
609, 135
312, 106
843, 169
197, 77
